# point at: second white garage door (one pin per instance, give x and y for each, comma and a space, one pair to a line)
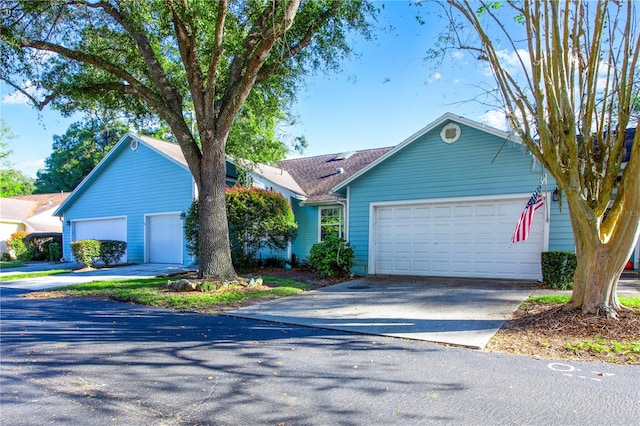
164, 238
456, 239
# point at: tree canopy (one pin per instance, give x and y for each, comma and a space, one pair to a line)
198, 65
76, 153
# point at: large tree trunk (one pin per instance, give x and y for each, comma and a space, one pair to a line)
603, 246
215, 253
597, 273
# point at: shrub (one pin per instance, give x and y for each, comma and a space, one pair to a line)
111, 251
20, 248
333, 256
274, 262
55, 251
558, 269
191, 228
257, 219
39, 243
86, 251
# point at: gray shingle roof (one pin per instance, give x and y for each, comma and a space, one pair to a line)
317, 175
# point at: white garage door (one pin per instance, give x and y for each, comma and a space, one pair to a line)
457, 239
101, 229
164, 238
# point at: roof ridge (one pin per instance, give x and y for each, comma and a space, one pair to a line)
359, 151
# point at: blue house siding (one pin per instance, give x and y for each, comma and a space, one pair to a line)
560, 231
478, 164
132, 184
307, 219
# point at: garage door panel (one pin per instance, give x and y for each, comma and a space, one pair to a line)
457, 239
164, 238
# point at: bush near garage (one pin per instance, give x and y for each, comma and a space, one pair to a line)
111, 251
86, 252
89, 252
40, 244
257, 219
558, 269
333, 256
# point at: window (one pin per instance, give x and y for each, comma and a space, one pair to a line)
331, 222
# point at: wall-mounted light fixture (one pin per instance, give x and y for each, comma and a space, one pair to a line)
556, 195
183, 215
68, 223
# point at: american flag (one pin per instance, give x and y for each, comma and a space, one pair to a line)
521, 232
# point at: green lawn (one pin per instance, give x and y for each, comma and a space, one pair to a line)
11, 265
629, 302
153, 292
14, 277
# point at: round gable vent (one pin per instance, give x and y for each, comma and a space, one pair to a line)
450, 133
133, 144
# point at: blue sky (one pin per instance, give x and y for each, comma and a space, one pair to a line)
382, 96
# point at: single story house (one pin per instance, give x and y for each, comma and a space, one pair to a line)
29, 213
444, 202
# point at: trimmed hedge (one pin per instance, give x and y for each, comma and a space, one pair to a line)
558, 269
89, 252
111, 251
86, 251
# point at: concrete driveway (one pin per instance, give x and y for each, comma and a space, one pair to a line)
464, 312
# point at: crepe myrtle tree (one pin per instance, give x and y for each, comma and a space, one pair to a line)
567, 77
196, 64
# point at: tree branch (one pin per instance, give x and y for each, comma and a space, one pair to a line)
172, 96
245, 68
215, 59
267, 71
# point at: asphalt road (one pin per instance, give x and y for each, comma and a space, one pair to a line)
78, 361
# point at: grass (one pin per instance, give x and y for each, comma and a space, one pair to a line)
14, 277
600, 345
152, 292
629, 302
10, 265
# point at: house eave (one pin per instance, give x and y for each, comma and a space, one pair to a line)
337, 200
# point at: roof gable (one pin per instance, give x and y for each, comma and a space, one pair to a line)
448, 117
168, 150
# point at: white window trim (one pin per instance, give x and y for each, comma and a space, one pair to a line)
341, 224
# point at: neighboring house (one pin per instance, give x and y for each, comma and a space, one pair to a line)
29, 213
140, 193
444, 202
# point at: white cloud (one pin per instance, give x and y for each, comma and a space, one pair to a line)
18, 98
495, 118
15, 98
31, 167
514, 62
435, 77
